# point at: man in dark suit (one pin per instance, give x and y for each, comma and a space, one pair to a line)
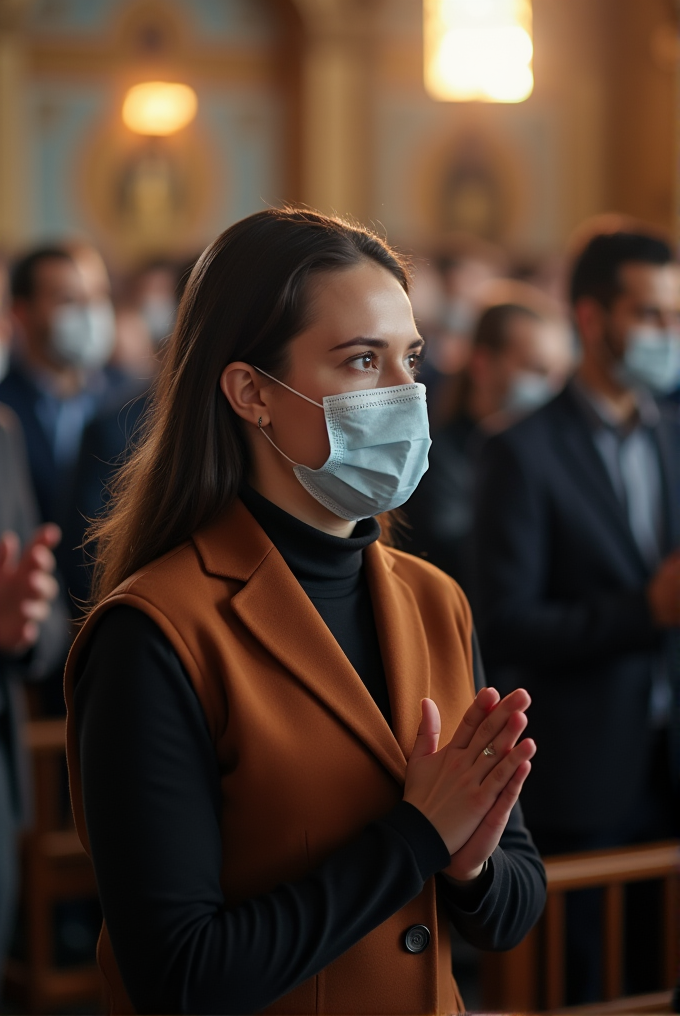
577, 541
519, 360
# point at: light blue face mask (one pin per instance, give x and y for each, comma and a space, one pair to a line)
379, 442
528, 391
652, 358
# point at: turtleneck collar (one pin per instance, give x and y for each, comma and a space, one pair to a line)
312, 555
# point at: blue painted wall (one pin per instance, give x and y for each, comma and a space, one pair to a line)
242, 121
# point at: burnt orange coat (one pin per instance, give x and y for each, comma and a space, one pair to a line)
307, 758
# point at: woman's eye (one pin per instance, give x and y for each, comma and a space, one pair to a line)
414, 361
364, 362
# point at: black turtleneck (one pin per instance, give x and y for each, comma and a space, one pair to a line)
152, 797
330, 569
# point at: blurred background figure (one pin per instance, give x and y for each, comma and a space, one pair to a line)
577, 577
519, 359
57, 378
155, 296
58, 372
33, 628
464, 269
145, 318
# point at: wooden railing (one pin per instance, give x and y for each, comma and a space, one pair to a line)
531, 977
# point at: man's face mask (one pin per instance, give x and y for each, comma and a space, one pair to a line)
651, 358
83, 336
528, 391
159, 314
379, 440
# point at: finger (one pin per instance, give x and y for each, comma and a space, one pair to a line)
485, 700
47, 535
501, 774
9, 551
34, 610
487, 835
516, 701
39, 556
41, 585
427, 738
502, 743
497, 817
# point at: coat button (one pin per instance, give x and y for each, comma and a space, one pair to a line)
417, 938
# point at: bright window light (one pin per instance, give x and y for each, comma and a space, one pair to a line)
478, 50
159, 107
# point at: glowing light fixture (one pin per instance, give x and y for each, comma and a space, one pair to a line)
159, 107
478, 50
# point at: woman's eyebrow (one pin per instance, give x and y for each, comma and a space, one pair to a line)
375, 343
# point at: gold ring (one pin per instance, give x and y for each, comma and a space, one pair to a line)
489, 750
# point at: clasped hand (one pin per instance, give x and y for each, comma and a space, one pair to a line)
465, 794
27, 587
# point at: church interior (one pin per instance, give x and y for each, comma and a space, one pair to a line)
133, 132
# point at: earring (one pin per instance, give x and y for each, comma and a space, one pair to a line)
259, 423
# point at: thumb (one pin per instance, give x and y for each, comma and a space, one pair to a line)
427, 739
9, 551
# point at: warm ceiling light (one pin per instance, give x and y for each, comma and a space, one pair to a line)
158, 107
478, 50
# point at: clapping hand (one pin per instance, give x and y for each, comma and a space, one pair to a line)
27, 587
465, 791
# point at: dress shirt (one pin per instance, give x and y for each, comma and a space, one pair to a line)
630, 455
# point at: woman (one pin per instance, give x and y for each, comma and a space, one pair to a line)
243, 699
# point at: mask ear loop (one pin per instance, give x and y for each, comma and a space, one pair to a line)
299, 394
265, 434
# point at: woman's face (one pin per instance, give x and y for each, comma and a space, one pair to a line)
361, 334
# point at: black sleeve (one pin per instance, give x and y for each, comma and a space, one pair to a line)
151, 792
511, 897
519, 623
502, 906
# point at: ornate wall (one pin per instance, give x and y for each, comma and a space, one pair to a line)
83, 171
323, 101
597, 134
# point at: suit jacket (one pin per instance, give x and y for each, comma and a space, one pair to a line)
106, 442
234, 614
562, 610
51, 480
19, 513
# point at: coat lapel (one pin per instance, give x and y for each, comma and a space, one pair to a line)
578, 447
275, 609
403, 644
668, 439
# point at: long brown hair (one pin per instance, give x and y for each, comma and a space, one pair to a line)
245, 300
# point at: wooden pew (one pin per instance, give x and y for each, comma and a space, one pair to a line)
54, 868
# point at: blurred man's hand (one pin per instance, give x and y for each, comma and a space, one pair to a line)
663, 593
27, 587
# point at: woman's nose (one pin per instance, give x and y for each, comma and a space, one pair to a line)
396, 374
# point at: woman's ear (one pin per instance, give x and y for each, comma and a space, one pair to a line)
241, 385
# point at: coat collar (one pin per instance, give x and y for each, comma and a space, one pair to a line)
275, 609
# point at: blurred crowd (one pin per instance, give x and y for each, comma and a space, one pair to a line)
552, 497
